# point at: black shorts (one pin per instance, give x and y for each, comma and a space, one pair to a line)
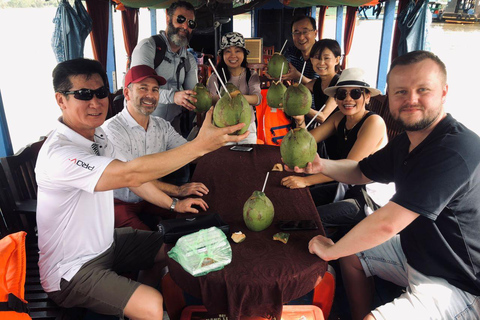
97, 285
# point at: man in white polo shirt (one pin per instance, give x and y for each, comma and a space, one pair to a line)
81, 253
135, 133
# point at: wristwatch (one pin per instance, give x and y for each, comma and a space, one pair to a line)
174, 203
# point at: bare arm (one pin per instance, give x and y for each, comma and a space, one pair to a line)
375, 229
120, 174
330, 105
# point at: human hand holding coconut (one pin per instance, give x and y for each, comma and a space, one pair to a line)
186, 205
210, 137
312, 167
185, 99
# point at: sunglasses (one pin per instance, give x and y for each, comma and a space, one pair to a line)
191, 23
354, 93
87, 94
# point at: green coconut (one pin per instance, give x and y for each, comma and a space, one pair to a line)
274, 67
204, 98
275, 94
230, 87
258, 211
297, 100
231, 111
298, 148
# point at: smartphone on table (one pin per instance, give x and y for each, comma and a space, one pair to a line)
241, 148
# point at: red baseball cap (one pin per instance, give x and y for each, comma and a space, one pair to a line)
140, 72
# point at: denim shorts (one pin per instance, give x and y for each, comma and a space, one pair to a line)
426, 297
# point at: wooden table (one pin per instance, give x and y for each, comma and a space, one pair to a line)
263, 274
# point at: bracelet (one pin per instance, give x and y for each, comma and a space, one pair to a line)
174, 203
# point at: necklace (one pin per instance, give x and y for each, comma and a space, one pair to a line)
347, 132
238, 78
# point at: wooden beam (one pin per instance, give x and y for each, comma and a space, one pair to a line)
153, 21
111, 69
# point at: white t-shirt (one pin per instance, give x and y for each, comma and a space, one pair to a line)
132, 141
75, 223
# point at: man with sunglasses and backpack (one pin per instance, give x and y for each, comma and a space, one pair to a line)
80, 252
167, 54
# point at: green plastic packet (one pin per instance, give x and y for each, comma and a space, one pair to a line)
202, 252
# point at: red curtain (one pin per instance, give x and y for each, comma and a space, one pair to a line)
130, 31
350, 22
98, 11
321, 21
402, 4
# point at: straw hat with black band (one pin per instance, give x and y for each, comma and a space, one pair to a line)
352, 78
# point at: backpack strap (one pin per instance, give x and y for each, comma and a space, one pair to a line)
161, 49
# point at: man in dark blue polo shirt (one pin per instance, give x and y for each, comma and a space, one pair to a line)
426, 237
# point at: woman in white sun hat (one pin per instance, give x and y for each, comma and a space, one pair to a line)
233, 63
358, 133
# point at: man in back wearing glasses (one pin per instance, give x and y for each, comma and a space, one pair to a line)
178, 66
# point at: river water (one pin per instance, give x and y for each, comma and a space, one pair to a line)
27, 60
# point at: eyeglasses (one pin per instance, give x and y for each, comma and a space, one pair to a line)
191, 23
87, 94
354, 93
303, 33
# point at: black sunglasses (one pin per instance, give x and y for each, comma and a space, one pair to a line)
354, 93
191, 23
87, 94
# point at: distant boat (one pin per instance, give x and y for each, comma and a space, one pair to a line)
461, 11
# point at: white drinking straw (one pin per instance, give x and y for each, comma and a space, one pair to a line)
216, 88
283, 46
303, 69
321, 109
281, 72
265, 183
224, 75
220, 79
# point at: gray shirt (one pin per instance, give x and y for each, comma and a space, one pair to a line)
144, 54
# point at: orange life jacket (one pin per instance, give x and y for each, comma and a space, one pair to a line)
12, 277
272, 124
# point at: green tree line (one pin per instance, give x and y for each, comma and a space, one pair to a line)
27, 3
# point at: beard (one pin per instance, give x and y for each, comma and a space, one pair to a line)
420, 124
146, 110
177, 39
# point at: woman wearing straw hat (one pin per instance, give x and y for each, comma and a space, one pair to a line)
358, 133
233, 63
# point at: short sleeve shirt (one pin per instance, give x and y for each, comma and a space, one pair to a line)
439, 180
75, 223
132, 141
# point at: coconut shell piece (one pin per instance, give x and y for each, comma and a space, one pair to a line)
277, 167
281, 236
238, 237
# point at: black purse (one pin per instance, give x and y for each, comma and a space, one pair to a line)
173, 229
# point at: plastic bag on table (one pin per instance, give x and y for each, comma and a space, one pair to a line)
202, 252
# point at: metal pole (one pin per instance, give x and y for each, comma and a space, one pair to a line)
385, 44
111, 69
153, 21
339, 28
6, 148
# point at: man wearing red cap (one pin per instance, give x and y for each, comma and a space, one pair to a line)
80, 252
135, 133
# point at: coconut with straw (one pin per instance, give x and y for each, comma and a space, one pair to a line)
258, 210
274, 66
297, 98
276, 92
231, 109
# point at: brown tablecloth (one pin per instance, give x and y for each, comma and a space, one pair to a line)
263, 273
